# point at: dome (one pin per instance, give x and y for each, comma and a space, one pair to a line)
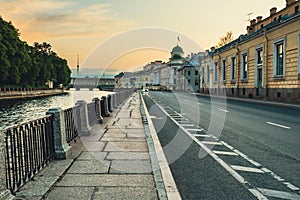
177, 49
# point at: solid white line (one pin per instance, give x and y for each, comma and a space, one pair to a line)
282, 126
247, 169
279, 194
201, 135
223, 110
227, 153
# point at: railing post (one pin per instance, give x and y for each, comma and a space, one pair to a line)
114, 98
60, 143
82, 119
4, 192
109, 103
104, 107
98, 109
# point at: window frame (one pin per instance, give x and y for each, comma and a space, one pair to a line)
224, 70
277, 42
243, 77
233, 69
216, 71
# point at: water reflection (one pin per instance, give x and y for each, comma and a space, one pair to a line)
15, 111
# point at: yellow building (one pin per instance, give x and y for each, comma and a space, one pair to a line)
264, 63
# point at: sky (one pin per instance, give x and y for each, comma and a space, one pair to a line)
75, 27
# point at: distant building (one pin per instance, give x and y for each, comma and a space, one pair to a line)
265, 62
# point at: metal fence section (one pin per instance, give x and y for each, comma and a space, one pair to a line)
70, 126
93, 115
29, 147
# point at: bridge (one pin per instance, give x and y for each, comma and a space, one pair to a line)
91, 83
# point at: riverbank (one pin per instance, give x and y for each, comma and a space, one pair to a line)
30, 94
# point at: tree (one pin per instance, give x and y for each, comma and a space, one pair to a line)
227, 38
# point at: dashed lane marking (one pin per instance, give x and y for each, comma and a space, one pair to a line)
201, 135
247, 169
279, 125
187, 125
223, 110
227, 153
211, 143
194, 129
279, 194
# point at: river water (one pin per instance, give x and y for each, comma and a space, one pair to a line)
16, 111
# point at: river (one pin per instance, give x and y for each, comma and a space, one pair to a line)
16, 111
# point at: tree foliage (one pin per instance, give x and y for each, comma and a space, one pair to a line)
225, 39
28, 66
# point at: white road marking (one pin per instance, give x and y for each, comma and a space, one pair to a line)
247, 169
279, 194
201, 135
188, 125
156, 117
227, 153
291, 186
194, 129
200, 104
279, 125
211, 143
223, 110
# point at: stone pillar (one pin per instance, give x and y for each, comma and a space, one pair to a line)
4, 192
98, 109
109, 103
105, 107
82, 119
62, 149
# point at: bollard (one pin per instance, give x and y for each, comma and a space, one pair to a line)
62, 149
105, 107
98, 109
109, 103
82, 118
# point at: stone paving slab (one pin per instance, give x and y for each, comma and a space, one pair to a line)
132, 193
94, 146
128, 156
71, 193
92, 155
122, 139
103, 180
130, 167
56, 168
126, 146
89, 167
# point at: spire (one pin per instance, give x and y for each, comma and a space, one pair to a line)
77, 65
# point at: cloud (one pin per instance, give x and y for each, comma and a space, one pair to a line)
60, 19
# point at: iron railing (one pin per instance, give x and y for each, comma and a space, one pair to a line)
29, 147
70, 126
92, 113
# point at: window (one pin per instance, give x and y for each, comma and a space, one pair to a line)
216, 72
189, 73
207, 74
244, 66
189, 82
279, 55
299, 54
196, 82
202, 77
196, 72
259, 56
174, 72
233, 67
224, 70
296, 9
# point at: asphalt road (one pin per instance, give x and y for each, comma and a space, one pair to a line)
265, 139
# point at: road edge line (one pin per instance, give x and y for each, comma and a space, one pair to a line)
167, 177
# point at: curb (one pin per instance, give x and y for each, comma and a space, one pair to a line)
163, 177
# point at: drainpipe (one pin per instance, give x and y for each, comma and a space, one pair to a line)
266, 63
238, 68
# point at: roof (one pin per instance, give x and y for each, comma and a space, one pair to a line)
177, 49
